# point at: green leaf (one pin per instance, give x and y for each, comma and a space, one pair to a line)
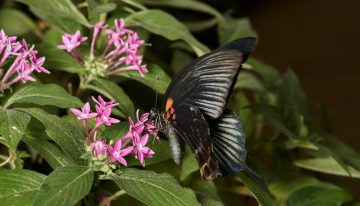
231, 29
156, 78
238, 104
162, 23
44, 94
346, 153
315, 196
57, 59
179, 60
49, 151
64, 24
205, 191
258, 189
291, 96
15, 22
284, 188
65, 186
58, 9
66, 135
115, 131
327, 165
273, 116
269, 75
189, 164
95, 9
12, 126
185, 4
206, 200
19, 187
247, 80
198, 26
154, 189
115, 92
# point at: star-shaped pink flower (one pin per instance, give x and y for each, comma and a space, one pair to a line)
103, 116
84, 113
70, 42
117, 154
140, 149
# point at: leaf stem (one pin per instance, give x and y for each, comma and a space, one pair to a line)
7, 159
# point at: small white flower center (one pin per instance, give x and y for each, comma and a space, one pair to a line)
98, 145
116, 154
104, 118
139, 147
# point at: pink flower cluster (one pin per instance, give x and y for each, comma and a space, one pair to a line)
24, 61
133, 142
120, 53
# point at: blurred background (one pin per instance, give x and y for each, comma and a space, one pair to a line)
320, 41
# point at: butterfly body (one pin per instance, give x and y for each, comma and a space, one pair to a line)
194, 111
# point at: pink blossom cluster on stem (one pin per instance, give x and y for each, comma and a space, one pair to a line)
120, 53
134, 142
21, 57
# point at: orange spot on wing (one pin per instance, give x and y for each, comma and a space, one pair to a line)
169, 103
172, 110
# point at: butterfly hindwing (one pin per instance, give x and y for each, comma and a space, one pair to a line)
229, 144
192, 127
207, 81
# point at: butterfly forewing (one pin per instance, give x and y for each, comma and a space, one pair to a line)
207, 82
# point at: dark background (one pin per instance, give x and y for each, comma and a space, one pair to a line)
320, 41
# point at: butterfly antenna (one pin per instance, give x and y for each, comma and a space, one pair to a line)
156, 98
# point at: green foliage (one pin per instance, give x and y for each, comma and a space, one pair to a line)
296, 158
112, 91
162, 23
156, 78
12, 126
67, 136
47, 94
15, 22
65, 186
309, 196
19, 187
154, 189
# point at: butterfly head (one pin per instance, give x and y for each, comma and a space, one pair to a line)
158, 118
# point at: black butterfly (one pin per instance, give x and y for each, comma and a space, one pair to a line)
194, 111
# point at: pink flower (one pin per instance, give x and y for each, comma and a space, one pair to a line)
133, 43
37, 63
140, 149
104, 198
24, 70
117, 154
99, 147
104, 116
84, 113
97, 27
102, 103
120, 27
70, 42
8, 46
